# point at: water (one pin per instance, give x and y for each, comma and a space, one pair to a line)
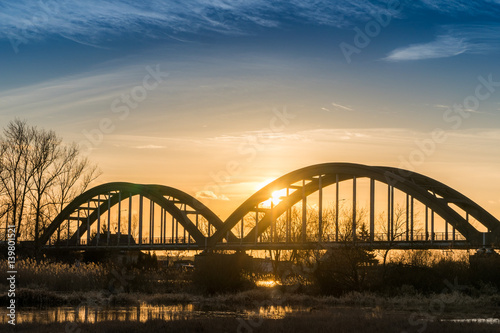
142, 313
492, 321
145, 312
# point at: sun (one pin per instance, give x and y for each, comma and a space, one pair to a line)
276, 197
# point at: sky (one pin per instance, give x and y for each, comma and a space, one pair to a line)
219, 97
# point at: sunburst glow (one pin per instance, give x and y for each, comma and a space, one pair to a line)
276, 197
267, 283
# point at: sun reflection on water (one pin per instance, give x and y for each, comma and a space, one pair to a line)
93, 314
142, 313
267, 283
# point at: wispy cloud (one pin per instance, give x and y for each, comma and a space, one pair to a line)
486, 7
94, 21
448, 107
92, 91
441, 106
442, 47
210, 195
474, 39
90, 22
341, 107
150, 147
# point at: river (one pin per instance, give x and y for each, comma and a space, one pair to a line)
141, 313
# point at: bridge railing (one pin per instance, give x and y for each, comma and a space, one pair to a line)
384, 237
365, 238
377, 237
123, 240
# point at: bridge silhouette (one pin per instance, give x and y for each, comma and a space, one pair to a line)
304, 209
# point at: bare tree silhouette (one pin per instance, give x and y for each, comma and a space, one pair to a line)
39, 175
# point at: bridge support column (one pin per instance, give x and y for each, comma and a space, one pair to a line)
256, 225
426, 223
172, 238
242, 229
162, 222
119, 214
446, 230
288, 218
336, 207
273, 223
129, 219
78, 228
141, 213
304, 211
354, 209
164, 213
372, 209
151, 222
389, 213
407, 222
392, 212
432, 226
412, 227
109, 219
88, 222
98, 219
320, 210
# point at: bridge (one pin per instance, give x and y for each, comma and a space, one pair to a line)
317, 207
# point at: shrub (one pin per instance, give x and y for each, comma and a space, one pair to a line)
220, 272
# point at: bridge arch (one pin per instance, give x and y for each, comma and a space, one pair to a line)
86, 210
306, 181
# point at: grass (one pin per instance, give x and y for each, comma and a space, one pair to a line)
80, 277
58, 276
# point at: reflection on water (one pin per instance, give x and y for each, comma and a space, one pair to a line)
478, 320
142, 313
145, 312
272, 312
267, 283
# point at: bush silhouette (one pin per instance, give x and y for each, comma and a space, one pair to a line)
216, 272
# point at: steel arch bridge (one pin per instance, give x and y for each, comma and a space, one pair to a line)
304, 209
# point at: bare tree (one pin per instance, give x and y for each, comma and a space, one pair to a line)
44, 157
76, 173
395, 229
16, 171
39, 175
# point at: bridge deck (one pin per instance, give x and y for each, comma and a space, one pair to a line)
376, 245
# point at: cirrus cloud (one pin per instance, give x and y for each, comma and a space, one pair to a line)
455, 40
210, 195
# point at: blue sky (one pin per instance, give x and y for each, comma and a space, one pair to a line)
410, 69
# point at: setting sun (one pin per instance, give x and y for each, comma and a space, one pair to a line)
275, 198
